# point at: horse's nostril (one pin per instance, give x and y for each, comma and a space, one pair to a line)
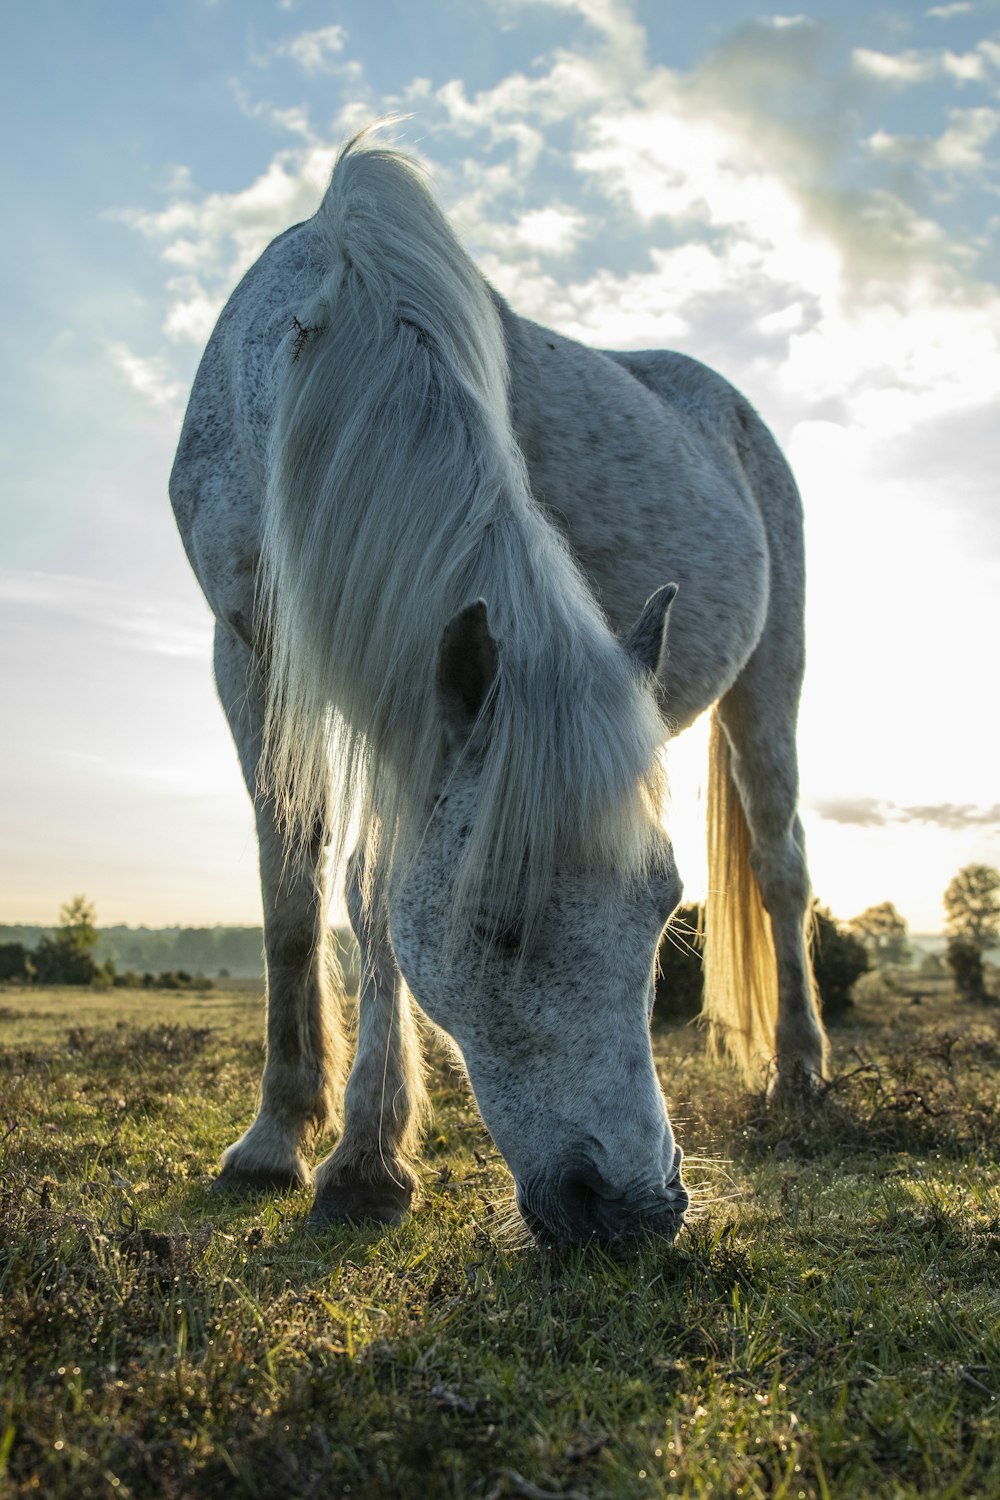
589, 1204
581, 1198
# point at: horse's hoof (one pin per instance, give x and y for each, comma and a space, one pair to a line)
231, 1183
360, 1203
796, 1088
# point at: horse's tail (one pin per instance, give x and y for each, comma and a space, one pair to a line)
741, 972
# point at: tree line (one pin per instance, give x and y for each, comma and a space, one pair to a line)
208, 950
76, 951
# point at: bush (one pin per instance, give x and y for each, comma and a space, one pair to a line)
15, 962
59, 961
966, 964
839, 960
679, 976
176, 979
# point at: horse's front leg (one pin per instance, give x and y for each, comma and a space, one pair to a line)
305, 1051
372, 1173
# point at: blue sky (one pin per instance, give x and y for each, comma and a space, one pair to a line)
807, 199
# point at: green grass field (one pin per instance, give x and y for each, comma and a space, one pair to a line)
827, 1325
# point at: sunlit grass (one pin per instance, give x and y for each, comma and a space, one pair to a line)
828, 1324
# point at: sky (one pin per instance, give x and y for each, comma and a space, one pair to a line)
807, 200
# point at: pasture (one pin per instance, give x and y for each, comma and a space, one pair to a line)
827, 1325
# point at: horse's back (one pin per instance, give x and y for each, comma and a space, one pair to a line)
639, 459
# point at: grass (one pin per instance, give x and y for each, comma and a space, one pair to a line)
828, 1324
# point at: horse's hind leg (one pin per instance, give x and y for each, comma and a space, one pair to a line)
304, 1045
758, 716
371, 1173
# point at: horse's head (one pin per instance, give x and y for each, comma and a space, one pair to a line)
553, 1025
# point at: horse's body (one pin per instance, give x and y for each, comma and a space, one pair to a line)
652, 469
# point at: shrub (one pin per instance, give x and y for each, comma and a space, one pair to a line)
966, 964
15, 962
679, 976
839, 960
58, 961
176, 979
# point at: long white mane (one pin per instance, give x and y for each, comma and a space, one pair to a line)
397, 494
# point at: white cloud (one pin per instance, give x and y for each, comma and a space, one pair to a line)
315, 51
151, 379
895, 68
294, 120
946, 12
960, 148
965, 67
177, 179
902, 68
555, 230
576, 82
192, 314
871, 812
623, 38
615, 311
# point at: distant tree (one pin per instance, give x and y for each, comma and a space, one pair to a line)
14, 961
965, 960
679, 970
972, 906
67, 957
77, 924
839, 960
883, 932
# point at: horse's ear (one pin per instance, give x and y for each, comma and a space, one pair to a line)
467, 666
647, 639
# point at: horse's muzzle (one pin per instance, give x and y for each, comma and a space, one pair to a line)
576, 1205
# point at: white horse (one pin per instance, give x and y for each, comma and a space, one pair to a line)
441, 544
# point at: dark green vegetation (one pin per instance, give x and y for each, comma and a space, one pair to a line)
828, 1325
972, 916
